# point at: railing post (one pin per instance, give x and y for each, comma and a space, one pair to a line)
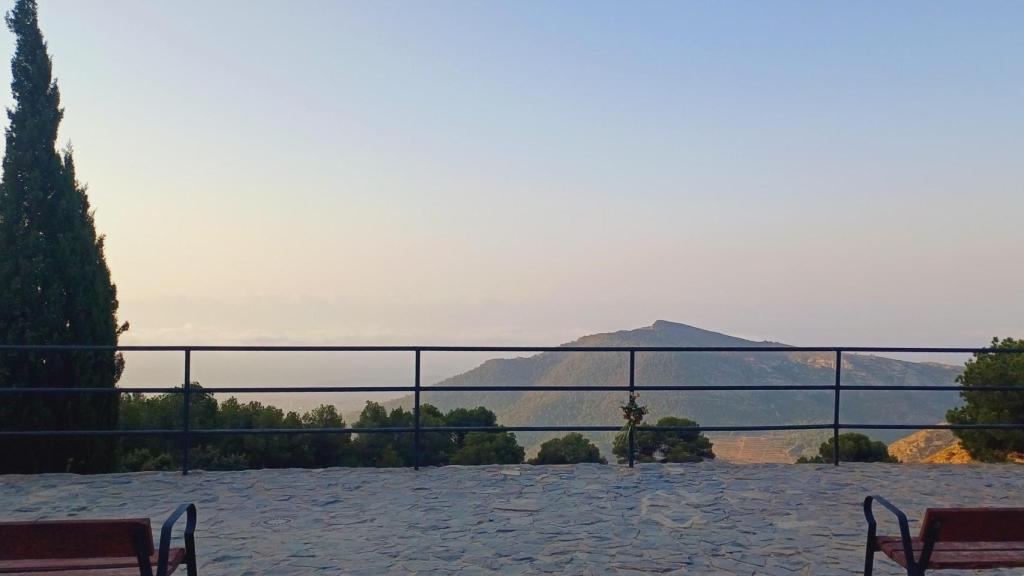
632, 383
186, 404
835, 412
416, 415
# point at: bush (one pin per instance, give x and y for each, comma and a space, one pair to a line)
666, 446
141, 459
572, 448
489, 448
853, 447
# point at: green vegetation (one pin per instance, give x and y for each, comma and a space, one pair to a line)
665, 446
378, 449
853, 447
985, 370
573, 448
488, 448
230, 452
55, 287
314, 450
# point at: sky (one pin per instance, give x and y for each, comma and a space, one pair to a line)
526, 173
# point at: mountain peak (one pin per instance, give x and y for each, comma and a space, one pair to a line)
665, 333
669, 325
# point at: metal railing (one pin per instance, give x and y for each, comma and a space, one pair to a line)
186, 433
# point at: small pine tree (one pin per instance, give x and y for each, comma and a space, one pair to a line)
573, 448
853, 447
55, 286
666, 446
482, 448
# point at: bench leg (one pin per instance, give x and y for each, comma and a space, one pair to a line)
869, 557
190, 555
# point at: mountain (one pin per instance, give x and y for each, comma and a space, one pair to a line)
709, 408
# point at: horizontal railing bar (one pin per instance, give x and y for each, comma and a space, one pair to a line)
200, 432
484, 388
19, 433
201, 348
580, 428
301, 389
554, 388
291, 431
753, 387
755, 428
571, 428
620, 388
34, 391
926, 387
932, 426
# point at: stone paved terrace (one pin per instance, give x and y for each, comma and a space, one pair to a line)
709, 518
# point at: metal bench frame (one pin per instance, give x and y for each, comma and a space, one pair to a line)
932, 533
142, 544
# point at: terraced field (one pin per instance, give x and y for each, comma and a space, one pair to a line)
768, 448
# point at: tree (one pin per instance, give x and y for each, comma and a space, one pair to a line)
984, 370
479, 448
479, 416
233, 452
853, 447
436, 448
386, 449
299, 450
489, 448
572, 448
55, 286
666, 446
383, 449
325, 449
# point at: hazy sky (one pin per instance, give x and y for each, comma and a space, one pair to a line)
527, 172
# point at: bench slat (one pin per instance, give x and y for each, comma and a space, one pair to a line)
975, 524
895, 543
959, 555
86, 566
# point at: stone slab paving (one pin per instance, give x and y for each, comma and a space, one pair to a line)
709, 518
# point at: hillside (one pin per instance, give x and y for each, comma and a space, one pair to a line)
927, 446
936, 447
710, 408
766, 447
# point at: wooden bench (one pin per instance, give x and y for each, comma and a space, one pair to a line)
950, 539
95, 547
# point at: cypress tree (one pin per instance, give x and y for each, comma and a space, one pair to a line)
55, 286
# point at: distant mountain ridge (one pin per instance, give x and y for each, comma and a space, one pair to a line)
709, 408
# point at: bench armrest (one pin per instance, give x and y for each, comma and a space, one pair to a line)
190, 541
908, 546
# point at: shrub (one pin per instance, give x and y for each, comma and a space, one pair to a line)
666, 446
572, 448
853, 447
